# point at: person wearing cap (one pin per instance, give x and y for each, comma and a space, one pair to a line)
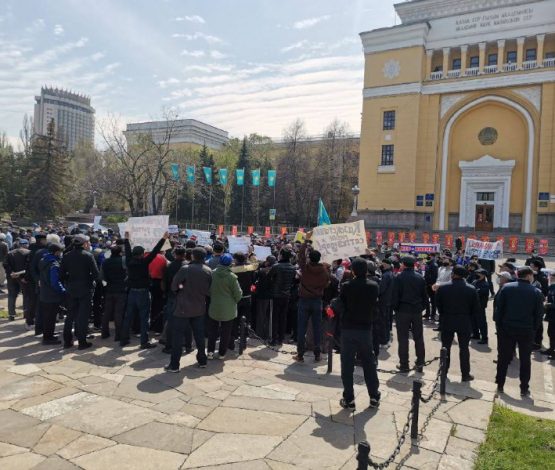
4, 250
457, 303
479, 321
79, 273
518, 312
409, 300
192, 287
52, 292
15, 265
138, 295
225, 294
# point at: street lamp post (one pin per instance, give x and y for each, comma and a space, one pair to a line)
356, 191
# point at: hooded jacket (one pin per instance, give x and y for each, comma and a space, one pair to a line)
51, 288
225, 293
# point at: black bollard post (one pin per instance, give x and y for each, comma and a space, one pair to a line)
330, 352
242, 334
416, 394
443, 375
363, 455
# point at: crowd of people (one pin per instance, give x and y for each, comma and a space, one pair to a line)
191, 297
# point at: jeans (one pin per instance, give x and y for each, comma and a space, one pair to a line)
279, 318
410, 321
464, 353
309, 308
507, 339
224, 328
179, 325
79, 309
114, 306
359, 342
138, 301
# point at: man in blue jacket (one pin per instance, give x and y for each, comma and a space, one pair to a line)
518, 312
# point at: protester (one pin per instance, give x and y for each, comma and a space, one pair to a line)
4, 249
430, 276
113, 272
281, 277
479, 321
550, 318
385, 295
263, 297
15, 266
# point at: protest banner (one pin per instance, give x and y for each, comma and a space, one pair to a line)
529, 245
147, 231
234, 230
122, 227
379, 238
412, 237
201, 237
401, 237
338, 241
173, 229
262, 252
418, 248
448, 240
390, 238
513, 244
239, 244
484, 250
435, 238
544, 247
96, 222
484, 238
425, 238
250, 230
267, 232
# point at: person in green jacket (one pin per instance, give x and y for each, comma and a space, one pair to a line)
225, 293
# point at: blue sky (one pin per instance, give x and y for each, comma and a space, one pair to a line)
242, 65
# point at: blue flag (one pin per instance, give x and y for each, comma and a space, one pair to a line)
240, 176
175, 171
223, 176
190, 170
255, 177
271, 178
323, 217
207, 174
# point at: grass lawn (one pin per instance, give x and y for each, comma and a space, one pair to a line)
517, 441
3, 313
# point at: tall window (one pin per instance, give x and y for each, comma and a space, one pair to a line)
550, 55
474, 61
511, 57
492, 59
388, 120
456, 64
530, 54
387, 155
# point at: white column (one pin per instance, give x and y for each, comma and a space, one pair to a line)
482, 57
519, 52
464, 51
446, 51
540, 38
500, 54
429, 56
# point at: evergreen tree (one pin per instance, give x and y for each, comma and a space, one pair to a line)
48, 177
237, 192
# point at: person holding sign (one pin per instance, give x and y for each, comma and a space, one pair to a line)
138, 296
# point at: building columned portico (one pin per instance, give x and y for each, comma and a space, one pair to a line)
458, 123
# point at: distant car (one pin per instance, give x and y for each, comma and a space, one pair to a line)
85, 228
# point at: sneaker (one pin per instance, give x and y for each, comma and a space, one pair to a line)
148, 346
468, 378
219, 356
171, 369
403, 368
347, 405
298, 358
85, 345
210, 355
374, 402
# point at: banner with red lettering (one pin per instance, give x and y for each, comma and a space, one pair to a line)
435, 238
267, 232
379, 238
448, 240
544, 247
513, 244
234, 230
390, 238
401, 236
412, 237
484, 238
426, 237
529, 245
500, 238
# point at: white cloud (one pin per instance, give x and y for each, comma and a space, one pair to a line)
36, 25
217, 55
58, 30
192, 19
195, 53
310, 22
97, 56
210, 39
168, 82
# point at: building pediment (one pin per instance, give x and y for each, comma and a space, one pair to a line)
487, 166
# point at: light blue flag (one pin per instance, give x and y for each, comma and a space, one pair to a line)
222, 172
323, 217
175, 171
240, 176
207, 174
255, 177
190, 173
271, 178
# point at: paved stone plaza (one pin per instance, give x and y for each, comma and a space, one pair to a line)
112, 408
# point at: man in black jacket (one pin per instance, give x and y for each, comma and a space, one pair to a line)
457, 302
138, 296
479, 321
430, 276
518, 312
281, 278
38, 250
78, 272
386, 292
52, 292
16, 265
113, 273
409, 300
360, 301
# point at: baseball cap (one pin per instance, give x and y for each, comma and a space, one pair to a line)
23, 241
226, 260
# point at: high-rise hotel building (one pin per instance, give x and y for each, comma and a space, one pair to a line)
72, 113
458, 123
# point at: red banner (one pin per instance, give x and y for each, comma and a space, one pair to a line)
401, 236
435, 238
234, 230
544, 247
267, 232
368, 237
426, 237
412, 237
220, 229
379, 238
513, 244
283, 230
250, 230
484, 238
529, 245
390, 238
448, 240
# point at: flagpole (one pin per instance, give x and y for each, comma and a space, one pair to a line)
243, 202
193, 202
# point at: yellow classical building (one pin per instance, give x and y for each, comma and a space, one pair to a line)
458, 121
